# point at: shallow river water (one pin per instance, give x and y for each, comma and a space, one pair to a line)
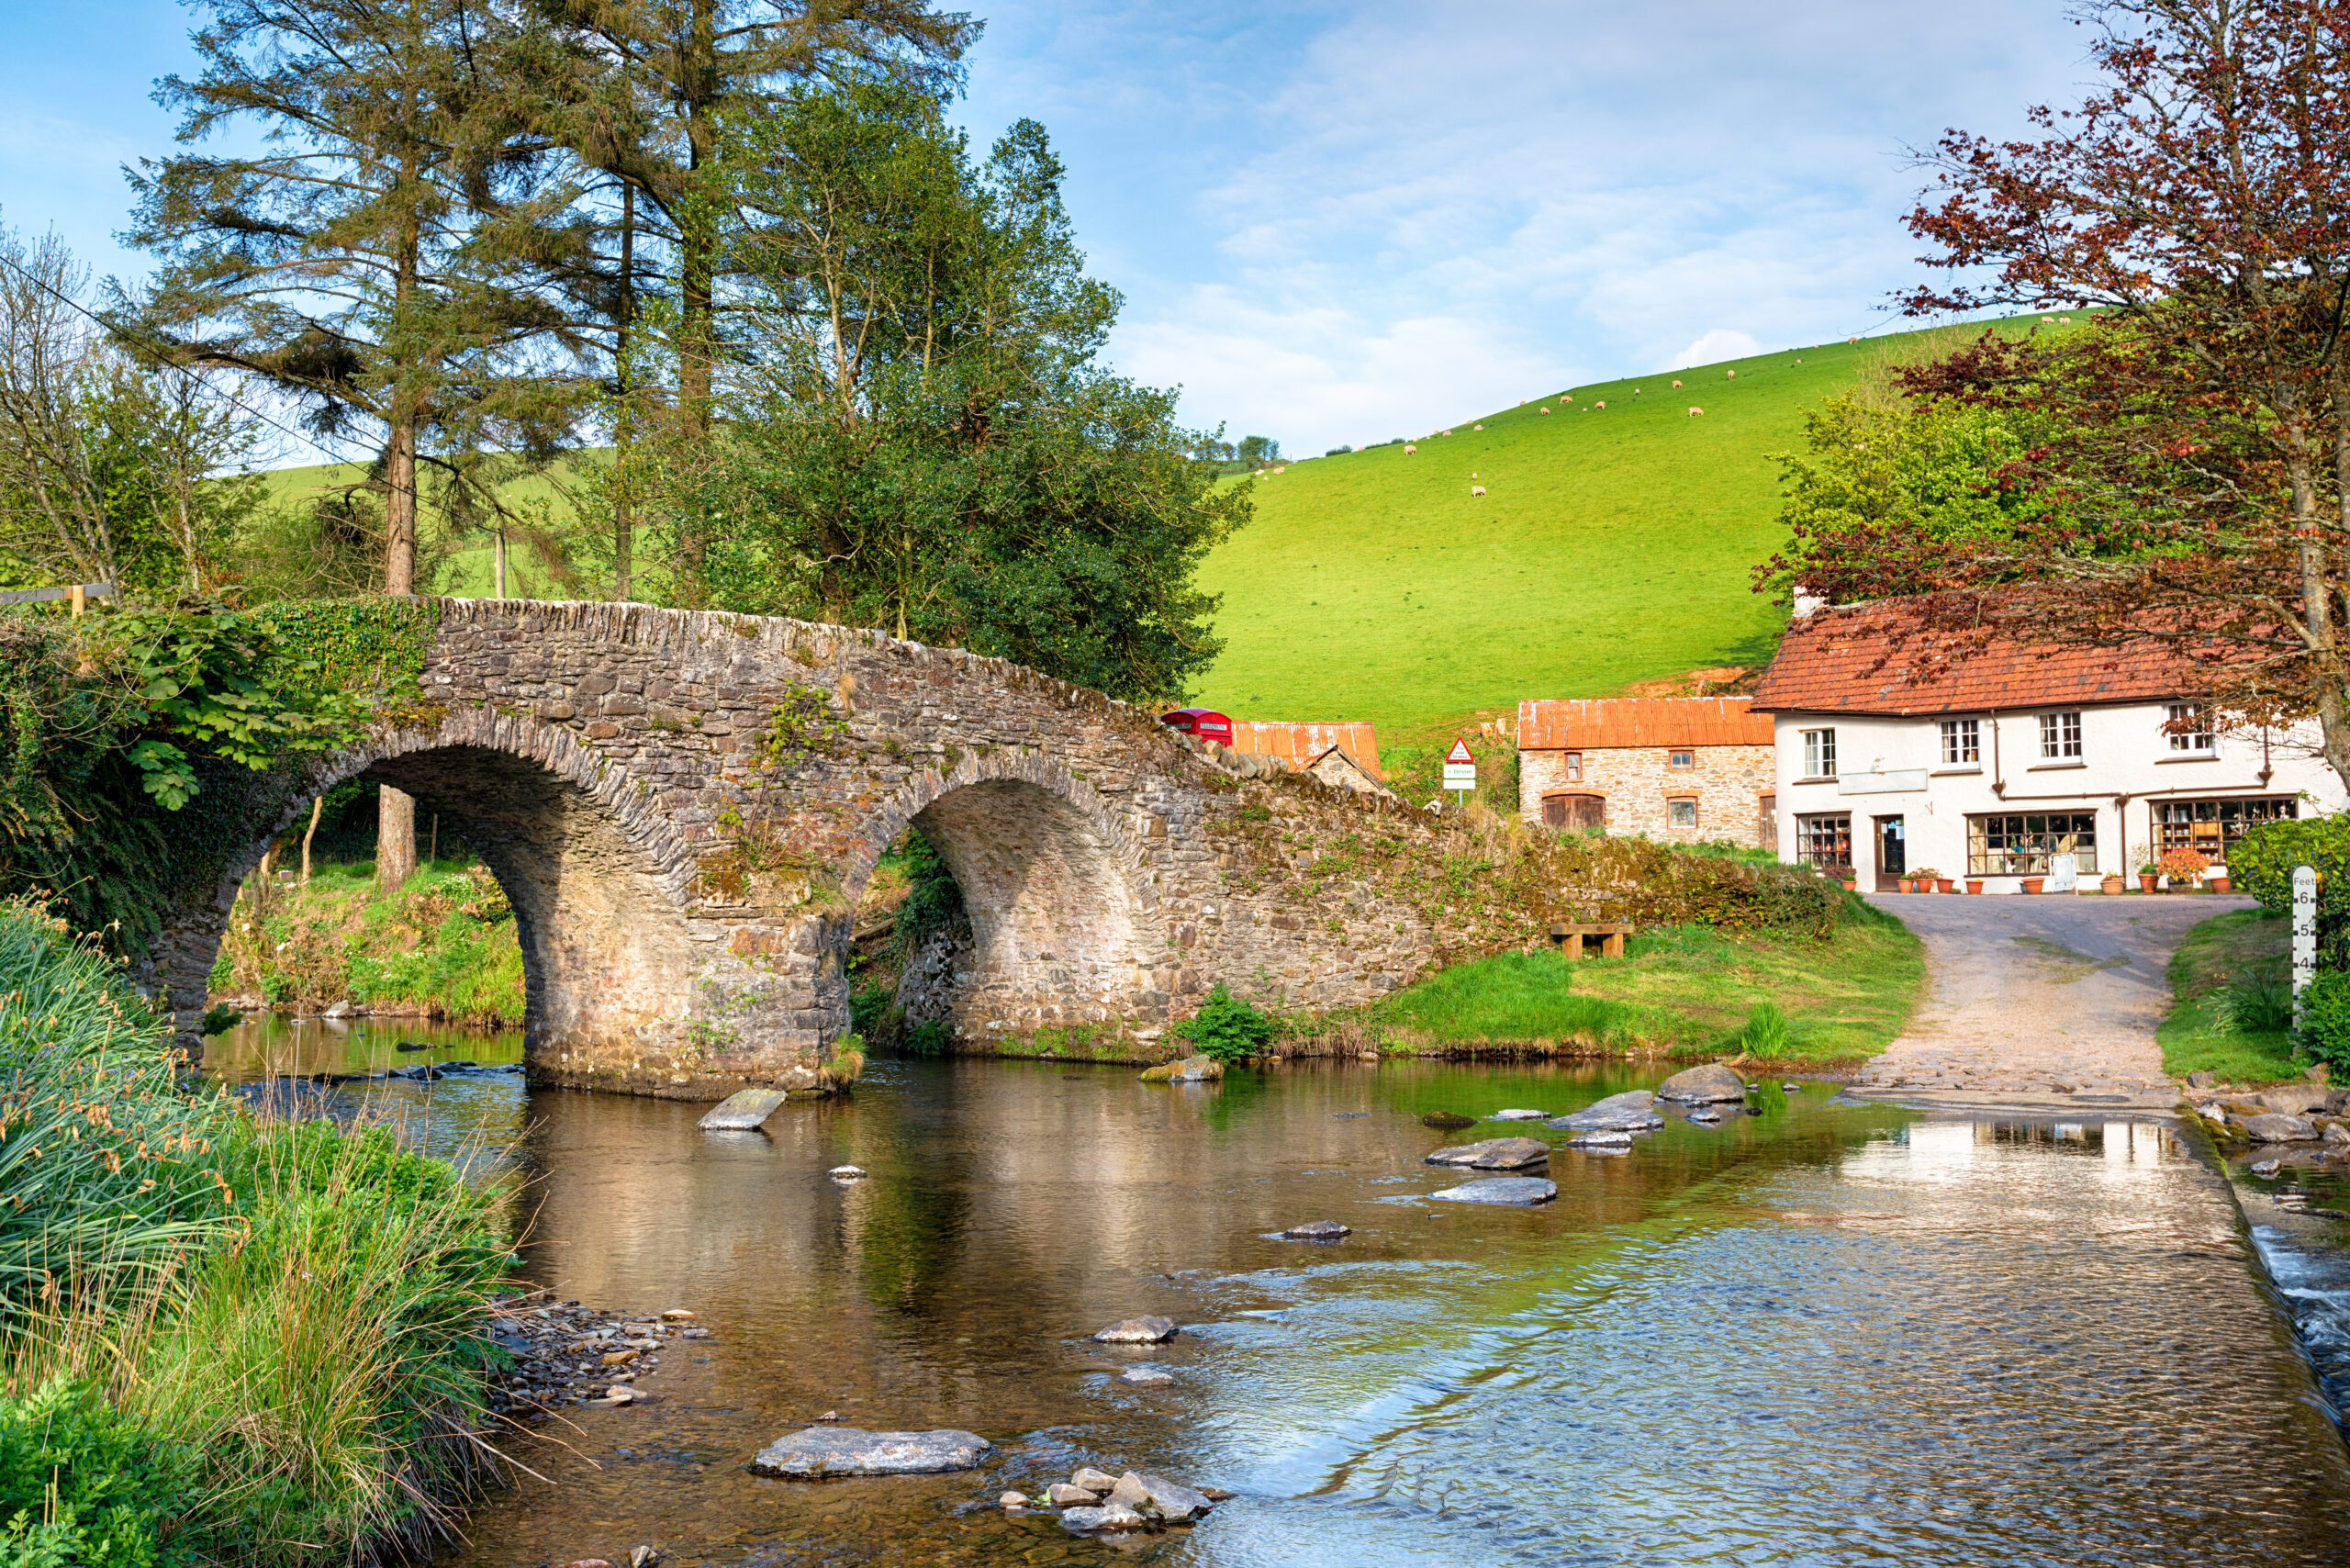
1821, 1335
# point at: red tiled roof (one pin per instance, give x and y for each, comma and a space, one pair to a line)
1600, 722
1846, 661
1298, 745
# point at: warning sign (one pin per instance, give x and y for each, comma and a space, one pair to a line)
1460, 767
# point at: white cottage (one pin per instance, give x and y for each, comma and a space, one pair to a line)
1895, 753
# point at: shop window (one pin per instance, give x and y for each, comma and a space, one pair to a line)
1962, 743
1681, 812
2189, 731
1825, 839
2020, 844
2215, 826
2060, 736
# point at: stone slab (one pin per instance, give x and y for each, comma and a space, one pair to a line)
821, 1452
745, 1112
1521, 1191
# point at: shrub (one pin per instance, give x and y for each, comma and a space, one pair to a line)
931, 1037
2325, 1027
2262, 863
83, 1485
1226, 1027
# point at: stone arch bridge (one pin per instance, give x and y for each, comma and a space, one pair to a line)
684, 808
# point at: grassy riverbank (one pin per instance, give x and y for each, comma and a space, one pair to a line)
221, 1338
444, 946
1678, 991
2204, 1033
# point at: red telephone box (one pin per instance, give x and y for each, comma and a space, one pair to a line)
1204, 723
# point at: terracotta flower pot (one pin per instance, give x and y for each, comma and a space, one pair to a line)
1852, 884
2112, 886
1974, 884
1945, 885
2217, 881
2146, 881
2032, 884
1908, 885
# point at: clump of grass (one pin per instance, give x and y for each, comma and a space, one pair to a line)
1766, 1035
2212, 1029
1512, 997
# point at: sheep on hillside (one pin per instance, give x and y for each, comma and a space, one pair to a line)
1601, 404
1545, 407
1476, 490
1732, 374
1695, 412
1476, 427
1676, 383
1409, 449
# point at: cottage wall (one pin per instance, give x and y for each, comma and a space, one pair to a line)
1727, 782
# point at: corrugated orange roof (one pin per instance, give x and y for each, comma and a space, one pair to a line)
1853, 660
1597, 723
1296, 745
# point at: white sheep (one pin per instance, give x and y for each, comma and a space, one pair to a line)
1695, 412
1546, 408
1476, 427
1732, 374
1409, 449
1676, 383
1601, 404
1476, 490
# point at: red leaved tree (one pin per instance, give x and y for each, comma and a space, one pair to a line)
2198, 203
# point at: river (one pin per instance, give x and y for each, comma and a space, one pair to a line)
1824, 1334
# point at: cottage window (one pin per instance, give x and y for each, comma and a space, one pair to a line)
1681, 812
1819, 753
2187, 730
1824, 840
2019, 845
2060, 736
2215, 826
1680, 759
1574, 767
1962, 743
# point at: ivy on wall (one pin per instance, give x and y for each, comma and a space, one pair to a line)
130, 743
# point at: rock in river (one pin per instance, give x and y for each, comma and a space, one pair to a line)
1191, 1069
743, 1112
1632, 1111
1703, 1085
1447, 1121
1145, 1377
1138, 1331
1517, 1115
1603, 1140
2275, 1128
1494, 1154
1521, 1190
846, 1451
1317, 1230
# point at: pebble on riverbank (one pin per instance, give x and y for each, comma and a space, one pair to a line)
565, 1354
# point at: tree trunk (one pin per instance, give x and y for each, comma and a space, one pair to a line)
317, 805
399, 510
395, 838
624, 425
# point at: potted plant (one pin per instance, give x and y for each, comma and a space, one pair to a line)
1845, 875
2216, 878
1928, 879
2111, 884
2148, 874
2185, 867
2032, 884
1974, 884
1906, 884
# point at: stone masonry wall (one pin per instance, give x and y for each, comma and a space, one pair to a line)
1727, 782
683, 807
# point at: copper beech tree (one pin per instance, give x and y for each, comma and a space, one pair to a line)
2194, 427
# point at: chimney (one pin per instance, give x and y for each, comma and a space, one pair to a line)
1807, 602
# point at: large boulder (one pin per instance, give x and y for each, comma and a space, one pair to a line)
745, 1112
846, 1450
1317, 1230
1703, 1085
1191, 1069
2275, 1128
1632, 1111
1173, 1501
1494, 1154
1521, 1191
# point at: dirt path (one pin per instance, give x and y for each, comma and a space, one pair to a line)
2038, 1003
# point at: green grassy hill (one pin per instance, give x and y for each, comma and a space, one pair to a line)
1611, 547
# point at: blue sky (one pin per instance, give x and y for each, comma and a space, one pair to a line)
1339, 223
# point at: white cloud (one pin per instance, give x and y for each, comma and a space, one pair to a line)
1720, 343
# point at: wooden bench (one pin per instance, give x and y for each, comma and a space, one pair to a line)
1570, 937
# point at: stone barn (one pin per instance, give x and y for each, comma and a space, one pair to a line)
1341, 754
1682, 770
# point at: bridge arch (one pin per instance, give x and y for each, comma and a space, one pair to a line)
1056, 889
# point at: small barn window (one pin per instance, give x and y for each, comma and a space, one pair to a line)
1680, 759
1681, 812
1574, 767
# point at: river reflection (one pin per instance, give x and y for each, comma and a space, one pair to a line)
1822, 1335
